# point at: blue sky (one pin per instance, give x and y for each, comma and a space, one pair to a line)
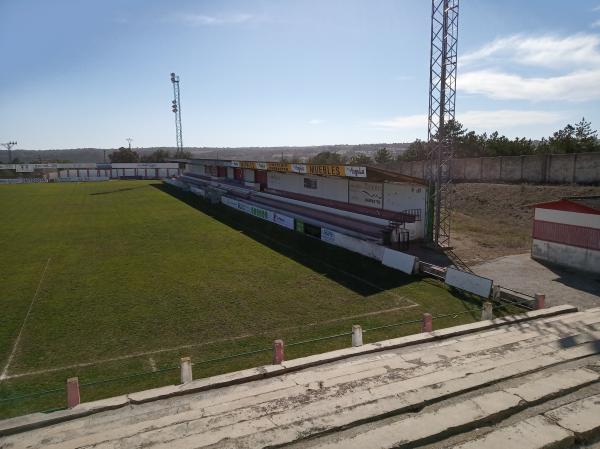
285, 72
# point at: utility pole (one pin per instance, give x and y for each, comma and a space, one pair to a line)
176, 108
442, 96
8, 146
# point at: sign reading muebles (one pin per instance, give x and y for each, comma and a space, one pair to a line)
259, 212
348, 171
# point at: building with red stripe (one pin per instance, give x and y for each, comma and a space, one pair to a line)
567, 232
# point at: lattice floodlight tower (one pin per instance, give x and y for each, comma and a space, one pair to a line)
8, 146
176, 108
442, 96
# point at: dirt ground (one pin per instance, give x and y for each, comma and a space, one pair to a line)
494, 220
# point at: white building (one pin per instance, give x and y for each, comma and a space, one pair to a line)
567, 232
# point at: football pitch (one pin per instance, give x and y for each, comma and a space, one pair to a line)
120, 279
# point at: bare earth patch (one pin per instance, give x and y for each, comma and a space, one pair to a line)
494, 220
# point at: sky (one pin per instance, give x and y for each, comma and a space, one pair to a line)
91, 73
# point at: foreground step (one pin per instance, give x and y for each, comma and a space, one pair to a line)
422, 428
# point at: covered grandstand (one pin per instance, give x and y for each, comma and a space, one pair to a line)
365, 209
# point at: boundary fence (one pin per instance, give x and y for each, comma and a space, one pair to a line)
72, 388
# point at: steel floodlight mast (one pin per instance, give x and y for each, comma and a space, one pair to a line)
176, 108
8, 146
442, 96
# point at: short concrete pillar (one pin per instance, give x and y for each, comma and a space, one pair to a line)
427, 323
73, 397
487, 312
496, 291
278, 356
357, 336
540, 301
186, 370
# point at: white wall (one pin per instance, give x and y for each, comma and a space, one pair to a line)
398, 197
569, 256
368, 194
327, 187
569, 218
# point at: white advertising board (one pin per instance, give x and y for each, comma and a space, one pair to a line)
353, 244
299, 168
469, 282
198, 191
355, 172
283, 220
366, 193
398, 260
24, 168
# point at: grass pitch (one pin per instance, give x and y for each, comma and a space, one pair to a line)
110, 279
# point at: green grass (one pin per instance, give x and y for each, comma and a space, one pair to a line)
136, 267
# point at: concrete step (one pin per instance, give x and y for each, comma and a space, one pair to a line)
316, 415
578, 422
331, 396
463, 415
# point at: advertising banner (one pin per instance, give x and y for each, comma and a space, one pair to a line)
24, 168
469, 282
398, 260
366, 194
283, 220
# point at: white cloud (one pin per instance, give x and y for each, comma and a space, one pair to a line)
201, 19
506, 118
403, 121
496, 75
315, 121
596, 24
494, 119
580, 85
541, 51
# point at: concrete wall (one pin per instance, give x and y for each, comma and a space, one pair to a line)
565, 255
579, 168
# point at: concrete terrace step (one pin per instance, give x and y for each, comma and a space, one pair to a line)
578, 421
346, 392
422, 428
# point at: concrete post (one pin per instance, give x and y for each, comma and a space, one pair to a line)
540, 301
278, 356
186, 370
357, 339
487, 312
73, 397
427, 323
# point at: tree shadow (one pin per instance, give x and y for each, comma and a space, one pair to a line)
124, 189
362, 275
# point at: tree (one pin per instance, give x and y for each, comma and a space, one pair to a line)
360, 159
124, 155
416, 151
159, 155
383, 156
586, 137
327, 157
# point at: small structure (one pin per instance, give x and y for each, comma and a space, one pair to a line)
567, 232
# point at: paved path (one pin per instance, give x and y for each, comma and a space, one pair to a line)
561, 286
530, 384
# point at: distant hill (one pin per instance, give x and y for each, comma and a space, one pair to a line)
250, 153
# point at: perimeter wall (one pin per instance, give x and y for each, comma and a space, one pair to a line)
575, 168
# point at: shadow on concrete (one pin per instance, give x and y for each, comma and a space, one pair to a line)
578, 280
360, 274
